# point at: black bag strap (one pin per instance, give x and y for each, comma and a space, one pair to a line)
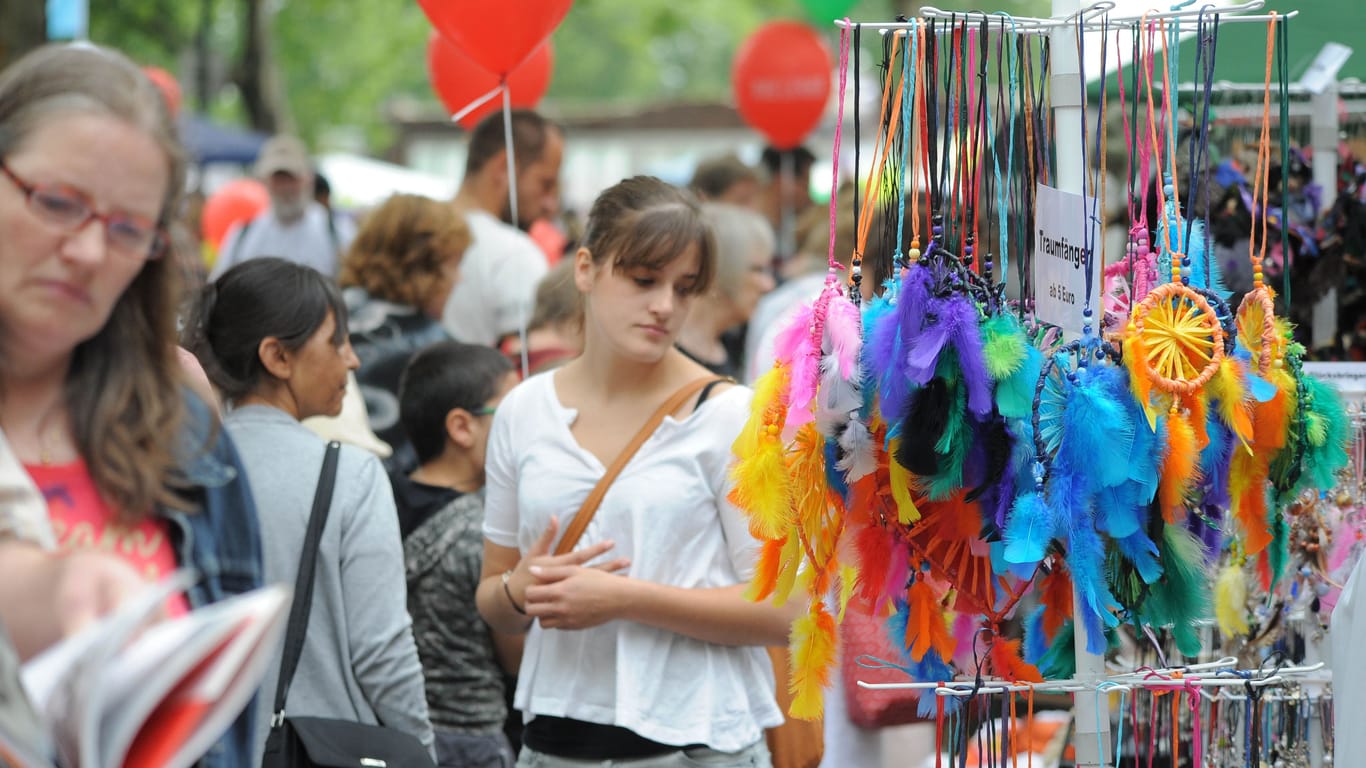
297, 628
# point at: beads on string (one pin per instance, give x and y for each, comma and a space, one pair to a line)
913, 255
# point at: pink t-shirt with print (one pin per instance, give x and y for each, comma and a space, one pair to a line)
82, 519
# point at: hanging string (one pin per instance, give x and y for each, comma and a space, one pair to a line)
858, 132
1004, 56
1207, 41
1261, 174
1283, 71
835, 164
908, 89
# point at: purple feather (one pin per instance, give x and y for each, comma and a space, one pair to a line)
967, 341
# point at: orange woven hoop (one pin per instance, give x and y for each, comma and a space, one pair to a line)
1177, 292
1262, 295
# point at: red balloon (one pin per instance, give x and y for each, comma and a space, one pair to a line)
781, 78
237, 201
499, 34
459, 80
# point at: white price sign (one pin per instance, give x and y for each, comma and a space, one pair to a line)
1349, 378
1060, 256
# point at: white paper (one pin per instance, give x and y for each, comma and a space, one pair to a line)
1060, 254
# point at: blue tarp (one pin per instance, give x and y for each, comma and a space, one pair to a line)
208, 142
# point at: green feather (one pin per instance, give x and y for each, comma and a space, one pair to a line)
1181, 598
1059, 662
1003, 346
1278, 551
1329, 431
953, 445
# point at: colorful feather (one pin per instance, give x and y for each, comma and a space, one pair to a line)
926, 628
843, 335
1140, 550
1095, 604
923, 424
1180, 599
766, 571
1228, 388
1180, 467
837, 398
1004, 660
1030, 528
1140, 383
761, 484
1329, 434
860, 458
873, 546
1230, 601
1015, 393
1094, 426
813, 656
1003, 346
1059, 661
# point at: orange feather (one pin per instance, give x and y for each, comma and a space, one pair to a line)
1005, 661
1135, 352
1056, 598
765, 578
1179, 468
927, 628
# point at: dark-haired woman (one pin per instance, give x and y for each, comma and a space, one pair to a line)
92, 399
652, 656
272, 337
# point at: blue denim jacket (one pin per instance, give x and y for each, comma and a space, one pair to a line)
218, 537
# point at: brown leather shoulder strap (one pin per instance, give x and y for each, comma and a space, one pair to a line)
590, 504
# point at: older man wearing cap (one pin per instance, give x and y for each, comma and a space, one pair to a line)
295, 227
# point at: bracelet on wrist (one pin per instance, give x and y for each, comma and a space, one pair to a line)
507, 590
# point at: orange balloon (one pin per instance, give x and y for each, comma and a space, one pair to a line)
240, 200
459, 80
499, 34
781, 78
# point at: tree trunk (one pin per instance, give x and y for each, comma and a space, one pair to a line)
23, 27
256, 76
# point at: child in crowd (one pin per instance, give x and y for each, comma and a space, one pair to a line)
447, 398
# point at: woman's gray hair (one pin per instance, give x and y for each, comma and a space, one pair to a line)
739, 232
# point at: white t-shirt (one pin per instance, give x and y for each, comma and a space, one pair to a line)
667, 512
310, 241
498, 277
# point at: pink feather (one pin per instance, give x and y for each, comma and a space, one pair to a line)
843, 334
964, 631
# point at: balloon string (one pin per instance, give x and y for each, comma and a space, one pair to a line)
479, 102
839, 132
512, 207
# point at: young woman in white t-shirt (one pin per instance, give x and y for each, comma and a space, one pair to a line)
641, 649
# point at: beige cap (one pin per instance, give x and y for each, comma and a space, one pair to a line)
283, 154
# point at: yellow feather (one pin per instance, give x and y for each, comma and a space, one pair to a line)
900, 480
763, 489
849, 576
761, 485
1139, 384
790, 564
1230, 601
813, 656
1228, 388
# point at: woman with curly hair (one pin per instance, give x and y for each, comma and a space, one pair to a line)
396, 277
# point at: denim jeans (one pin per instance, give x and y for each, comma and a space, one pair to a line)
753, 756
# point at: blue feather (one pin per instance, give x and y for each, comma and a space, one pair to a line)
1095, 425
1140, 550
1035, 640
1086, 558
833, 476
1215, 461
1198, 250
876, 314
1015, 393
1030, 527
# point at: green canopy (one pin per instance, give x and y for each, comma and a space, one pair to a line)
1241, 54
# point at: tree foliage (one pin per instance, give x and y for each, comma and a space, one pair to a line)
344, 65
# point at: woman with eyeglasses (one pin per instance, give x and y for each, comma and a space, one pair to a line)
272, 336
92, 398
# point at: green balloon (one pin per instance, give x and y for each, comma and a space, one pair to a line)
826, 11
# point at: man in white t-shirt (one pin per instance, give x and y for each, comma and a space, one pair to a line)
295, 227
502, 265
